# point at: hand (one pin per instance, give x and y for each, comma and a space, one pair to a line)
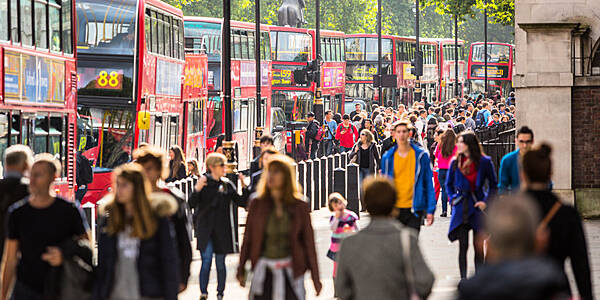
318, 288
429, 219
53, 256
182, 287
481, 205
241, 277
242, 179
201, 183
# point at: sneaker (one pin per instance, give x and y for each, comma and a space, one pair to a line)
443, 215
204, 297
219, 297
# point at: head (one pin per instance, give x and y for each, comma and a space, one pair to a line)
266, 154
192, 165
215, 165
524, 139
447, 143
401, 131
177, 157
536, 165
437, 137
367, 123
310, 116
401, 108
328, 115
18, 158
366, 137
130, 203
501, 107
266, 141
152, 159
44, 171
279, 175
346, 119
468, 144
379, 196
336, 202
431, 110
496, 117
512, 226
357, 107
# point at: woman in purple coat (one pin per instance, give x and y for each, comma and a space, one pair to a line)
471, 183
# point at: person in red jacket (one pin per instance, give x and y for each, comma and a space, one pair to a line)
347, 134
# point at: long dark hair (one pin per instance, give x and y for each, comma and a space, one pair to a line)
177, 161
473, 146
447, 142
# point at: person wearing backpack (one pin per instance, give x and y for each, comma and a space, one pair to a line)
313, 135
566, 238
85, 176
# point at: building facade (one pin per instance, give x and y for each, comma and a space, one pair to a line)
557, 82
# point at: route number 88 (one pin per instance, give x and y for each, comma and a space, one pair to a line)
111, 79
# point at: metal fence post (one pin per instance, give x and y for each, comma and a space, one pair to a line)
343, 160
323, 189
329, 178
308, 179
316, 184
352, 188
336, 160
339, 181
301, 173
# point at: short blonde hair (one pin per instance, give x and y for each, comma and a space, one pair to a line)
214, 159
335, 198
50, 161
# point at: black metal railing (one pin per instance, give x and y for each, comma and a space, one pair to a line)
497, 141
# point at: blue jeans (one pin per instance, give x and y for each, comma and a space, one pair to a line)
442, 174
327, 147
363, 173
345, 149
207, 256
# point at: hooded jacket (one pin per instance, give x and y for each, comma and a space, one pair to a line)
157, 262
423, 193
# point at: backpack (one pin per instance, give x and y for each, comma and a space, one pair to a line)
320, 134
85, 174
480, 119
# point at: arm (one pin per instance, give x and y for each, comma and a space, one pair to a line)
246, 242
333, 223
353, 153
308, 240
428, 188
168, 257
493, 181
423, 276
338, 134
504, 181
343, 280
450, 188
377, 156
579, 259
9, 266
181, 172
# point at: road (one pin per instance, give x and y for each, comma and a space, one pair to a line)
441, 256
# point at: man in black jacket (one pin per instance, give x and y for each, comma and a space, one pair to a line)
266, 141
312, 130
13, 187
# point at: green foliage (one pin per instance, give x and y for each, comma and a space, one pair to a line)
360, 16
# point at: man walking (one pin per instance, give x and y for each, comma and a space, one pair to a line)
265, 142
17, 161
312, 129
347, 134
330, 129
409, 167
357, 110
509, 180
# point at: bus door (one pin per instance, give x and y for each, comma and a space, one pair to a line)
251, 119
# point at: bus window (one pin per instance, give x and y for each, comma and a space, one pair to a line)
214, 116
293, 46
106, 27
174, 132
371, 49
3, 132
40, 141
295, 105
355, 49
57, 135
496, 53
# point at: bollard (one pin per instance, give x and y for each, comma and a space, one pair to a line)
184, 188
343, 160
352, 188
336, 161
308, 179
329, 178
316, 184
323, 188
339, 181
301, 167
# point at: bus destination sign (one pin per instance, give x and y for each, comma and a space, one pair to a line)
498, 72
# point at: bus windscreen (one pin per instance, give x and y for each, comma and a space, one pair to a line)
291, 46
496, 53
106, 27
365, 49
203, 37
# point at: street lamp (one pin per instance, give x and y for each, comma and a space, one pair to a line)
257, 37
485, 45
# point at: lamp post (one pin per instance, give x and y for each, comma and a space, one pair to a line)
418, 56
456, 91
228, 143
379, 46
485, 45
257, 51
318, 105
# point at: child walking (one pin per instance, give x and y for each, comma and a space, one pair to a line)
342, 224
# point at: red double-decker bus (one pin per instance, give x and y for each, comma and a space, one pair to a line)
38, 95
195, 95
204, 35
130, 66
499, 70
446, 62
431, 69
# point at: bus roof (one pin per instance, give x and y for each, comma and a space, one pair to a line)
234, 23
164, 6
493, 43
445, 41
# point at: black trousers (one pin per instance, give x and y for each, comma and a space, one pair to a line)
268, 288
410, 219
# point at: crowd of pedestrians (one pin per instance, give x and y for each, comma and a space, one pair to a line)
408, 159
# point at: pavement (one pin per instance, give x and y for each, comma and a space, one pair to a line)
440, 254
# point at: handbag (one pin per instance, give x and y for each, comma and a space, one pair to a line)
77, 270
410, 280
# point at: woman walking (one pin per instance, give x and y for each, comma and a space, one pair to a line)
444, 152
470, 184
566, 238
177, 168
137, 255
212, 203
279, 238
365, 154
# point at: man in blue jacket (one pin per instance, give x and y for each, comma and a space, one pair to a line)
509, 166
409, 168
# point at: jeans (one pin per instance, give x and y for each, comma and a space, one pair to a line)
80, 193
327, 147
207, 256
363, 173
345, 149
314, 147
442, 174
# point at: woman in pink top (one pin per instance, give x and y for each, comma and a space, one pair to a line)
444, 152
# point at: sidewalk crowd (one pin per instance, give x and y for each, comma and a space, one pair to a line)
522, 233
